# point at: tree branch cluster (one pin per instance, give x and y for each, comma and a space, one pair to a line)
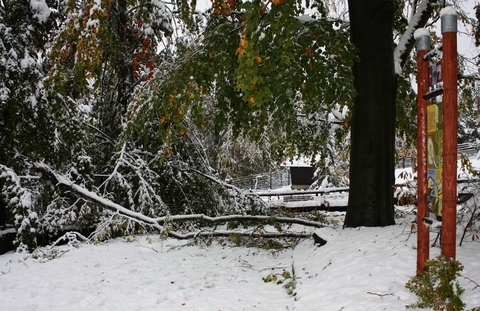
159, 223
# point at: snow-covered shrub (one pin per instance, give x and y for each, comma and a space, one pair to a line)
62, 210
19, 208
39, 209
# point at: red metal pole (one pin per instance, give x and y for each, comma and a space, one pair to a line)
449, 186
423, 235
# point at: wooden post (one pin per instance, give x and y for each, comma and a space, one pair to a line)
449, 186
423, 235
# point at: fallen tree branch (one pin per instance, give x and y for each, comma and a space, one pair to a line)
158, 223
228, 233
95, 198
257, 218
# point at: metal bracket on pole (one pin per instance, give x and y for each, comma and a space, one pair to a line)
433, 53
432, 94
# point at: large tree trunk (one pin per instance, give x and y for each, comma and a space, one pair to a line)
373, 121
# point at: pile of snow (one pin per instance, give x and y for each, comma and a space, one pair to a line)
358, 269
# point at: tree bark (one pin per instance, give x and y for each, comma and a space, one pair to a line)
372, 159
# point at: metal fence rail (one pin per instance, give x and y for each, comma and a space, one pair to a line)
263, 181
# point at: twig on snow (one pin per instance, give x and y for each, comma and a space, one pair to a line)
381, 295
471, 281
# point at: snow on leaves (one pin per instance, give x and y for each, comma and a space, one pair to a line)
42, 12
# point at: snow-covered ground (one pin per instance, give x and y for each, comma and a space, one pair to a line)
358, 269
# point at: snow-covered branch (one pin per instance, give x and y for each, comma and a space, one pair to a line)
221, 219
159, 222
93, 197
228, 233
407, 42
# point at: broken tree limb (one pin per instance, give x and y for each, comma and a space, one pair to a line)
228, 233
257, 218
95, 198
159, 222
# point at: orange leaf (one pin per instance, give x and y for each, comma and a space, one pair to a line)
309, 52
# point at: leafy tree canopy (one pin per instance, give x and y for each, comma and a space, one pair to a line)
277, 71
